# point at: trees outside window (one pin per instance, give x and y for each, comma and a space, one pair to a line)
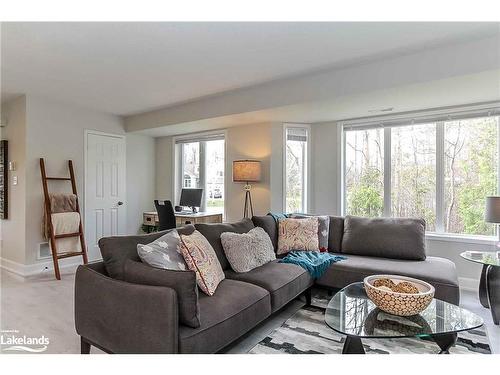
471, 173
364, 172
413, 172
440, 171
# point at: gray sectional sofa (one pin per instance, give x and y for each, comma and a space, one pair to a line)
122, 306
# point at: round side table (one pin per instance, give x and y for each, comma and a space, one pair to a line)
489, 284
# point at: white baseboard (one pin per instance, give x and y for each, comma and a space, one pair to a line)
27, 270
466, 283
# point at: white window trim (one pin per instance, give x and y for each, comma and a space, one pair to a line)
412, 118
177, 167
307, 178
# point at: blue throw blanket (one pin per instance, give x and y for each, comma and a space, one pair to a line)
314, 262
278, 216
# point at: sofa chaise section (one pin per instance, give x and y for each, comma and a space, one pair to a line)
439, 272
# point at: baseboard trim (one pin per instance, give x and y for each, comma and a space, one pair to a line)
467, 283
27, 270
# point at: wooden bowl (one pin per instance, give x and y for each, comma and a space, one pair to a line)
401, 304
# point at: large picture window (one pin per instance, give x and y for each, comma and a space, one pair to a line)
440, 170
201, 164
296, 140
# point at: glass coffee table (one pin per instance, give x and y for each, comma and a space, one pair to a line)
351, 313
489, 284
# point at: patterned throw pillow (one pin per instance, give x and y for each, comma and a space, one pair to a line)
323, 229
200, 257
163, 253
298, 234
248, 250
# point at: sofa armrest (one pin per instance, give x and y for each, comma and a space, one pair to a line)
121, 317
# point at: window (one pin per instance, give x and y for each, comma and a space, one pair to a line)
364, 172
413, 172
296, 149
440, 169
201, 164
471, 173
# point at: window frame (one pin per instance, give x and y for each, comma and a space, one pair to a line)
438, 117
178, 161
306, 178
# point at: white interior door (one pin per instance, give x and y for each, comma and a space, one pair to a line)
105, 205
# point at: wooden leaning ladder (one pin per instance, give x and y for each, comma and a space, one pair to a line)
48, 210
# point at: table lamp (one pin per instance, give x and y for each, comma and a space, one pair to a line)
247, 171
492, 214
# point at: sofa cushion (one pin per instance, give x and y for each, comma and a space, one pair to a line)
213, 231
336, 231
234, 309
246, 251
394, 238
183, 282
439, 272
268, 223
283, 281
298, 234
200, 257
116, 250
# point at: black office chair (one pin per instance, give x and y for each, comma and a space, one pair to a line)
166, 215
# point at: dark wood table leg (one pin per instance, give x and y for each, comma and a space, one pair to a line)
493, 292
483, 294
445, 341
85, 346
353, 345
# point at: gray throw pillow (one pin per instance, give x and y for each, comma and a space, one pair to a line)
163, 252
183, 282
247, 251
323, 228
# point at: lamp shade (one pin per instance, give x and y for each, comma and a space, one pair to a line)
492, 210
246, 171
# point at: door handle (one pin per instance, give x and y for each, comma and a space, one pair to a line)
120, 203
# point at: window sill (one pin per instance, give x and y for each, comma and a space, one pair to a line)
480, 240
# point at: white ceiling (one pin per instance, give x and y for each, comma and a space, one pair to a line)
126, 68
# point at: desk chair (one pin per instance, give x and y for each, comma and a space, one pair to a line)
166, 216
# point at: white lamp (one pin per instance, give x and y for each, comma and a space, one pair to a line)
492, 214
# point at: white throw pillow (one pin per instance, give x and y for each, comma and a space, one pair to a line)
247, 251
164, 252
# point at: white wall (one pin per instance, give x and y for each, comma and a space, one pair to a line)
141, 179
55, 131
164, 172
324, 162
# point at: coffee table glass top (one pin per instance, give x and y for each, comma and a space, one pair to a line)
490, 258
350, 312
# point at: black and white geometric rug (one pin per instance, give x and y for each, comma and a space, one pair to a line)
307, 333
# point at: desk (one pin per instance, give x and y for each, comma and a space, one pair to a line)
150, 219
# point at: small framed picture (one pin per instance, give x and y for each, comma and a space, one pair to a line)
4, 181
